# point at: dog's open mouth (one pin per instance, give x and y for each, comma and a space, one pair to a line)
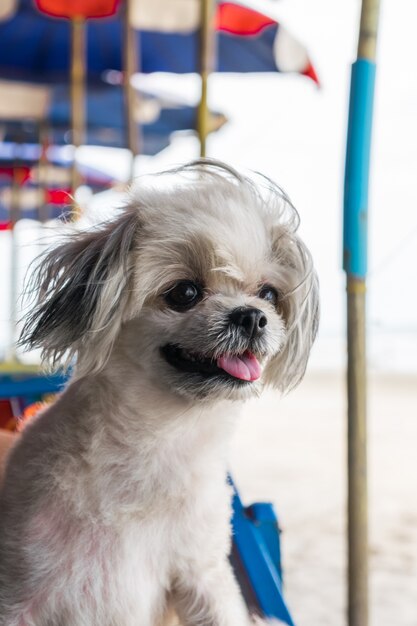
242, 368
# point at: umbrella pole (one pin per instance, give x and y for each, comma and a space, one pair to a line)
14, 260
355, 265
78, 77
43, 173
357, 457
130, 67
206, 63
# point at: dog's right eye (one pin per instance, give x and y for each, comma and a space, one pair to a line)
183, 295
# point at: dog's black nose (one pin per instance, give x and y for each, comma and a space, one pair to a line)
250, 320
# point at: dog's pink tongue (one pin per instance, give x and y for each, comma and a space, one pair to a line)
245, 366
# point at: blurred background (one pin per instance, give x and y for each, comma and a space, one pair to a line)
278, 104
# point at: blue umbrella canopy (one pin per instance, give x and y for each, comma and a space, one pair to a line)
20, 150
34, 46
106, 122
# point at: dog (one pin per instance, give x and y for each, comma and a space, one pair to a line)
115, 507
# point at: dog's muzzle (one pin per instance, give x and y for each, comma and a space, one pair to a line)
236, 362
240, 368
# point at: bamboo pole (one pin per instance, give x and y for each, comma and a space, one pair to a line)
368, 32
42, 181
130, 66
355, 265
357, 455
14, 258
206, 66
78, 95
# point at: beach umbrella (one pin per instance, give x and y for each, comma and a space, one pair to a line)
246, 40
77, 12
32, 101
34, 174
53, 198
355, 265
105, 126
158, 117
166, 35
35, 47
216, 36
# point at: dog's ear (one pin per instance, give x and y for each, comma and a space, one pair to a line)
82, 289
300, 307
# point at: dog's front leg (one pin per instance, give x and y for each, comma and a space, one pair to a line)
210, 597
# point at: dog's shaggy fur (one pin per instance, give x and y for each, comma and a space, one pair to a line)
115, 506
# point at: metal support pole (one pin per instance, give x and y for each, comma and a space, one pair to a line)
78, 122
130, 66
206, 66
355, 265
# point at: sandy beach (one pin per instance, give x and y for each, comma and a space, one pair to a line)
292, 451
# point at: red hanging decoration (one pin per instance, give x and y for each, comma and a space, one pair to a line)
78, 8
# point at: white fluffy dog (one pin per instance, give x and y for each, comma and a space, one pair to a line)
115, 507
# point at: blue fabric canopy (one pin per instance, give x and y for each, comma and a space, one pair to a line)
36, 47
106, 121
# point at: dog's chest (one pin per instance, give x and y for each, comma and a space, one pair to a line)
165, 475
140, 559
153, 510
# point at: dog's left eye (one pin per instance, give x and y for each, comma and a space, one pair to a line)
183, 295
269, 294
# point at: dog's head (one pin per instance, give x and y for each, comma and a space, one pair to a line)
203, 285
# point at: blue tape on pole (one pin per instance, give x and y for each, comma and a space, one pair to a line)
355, 227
